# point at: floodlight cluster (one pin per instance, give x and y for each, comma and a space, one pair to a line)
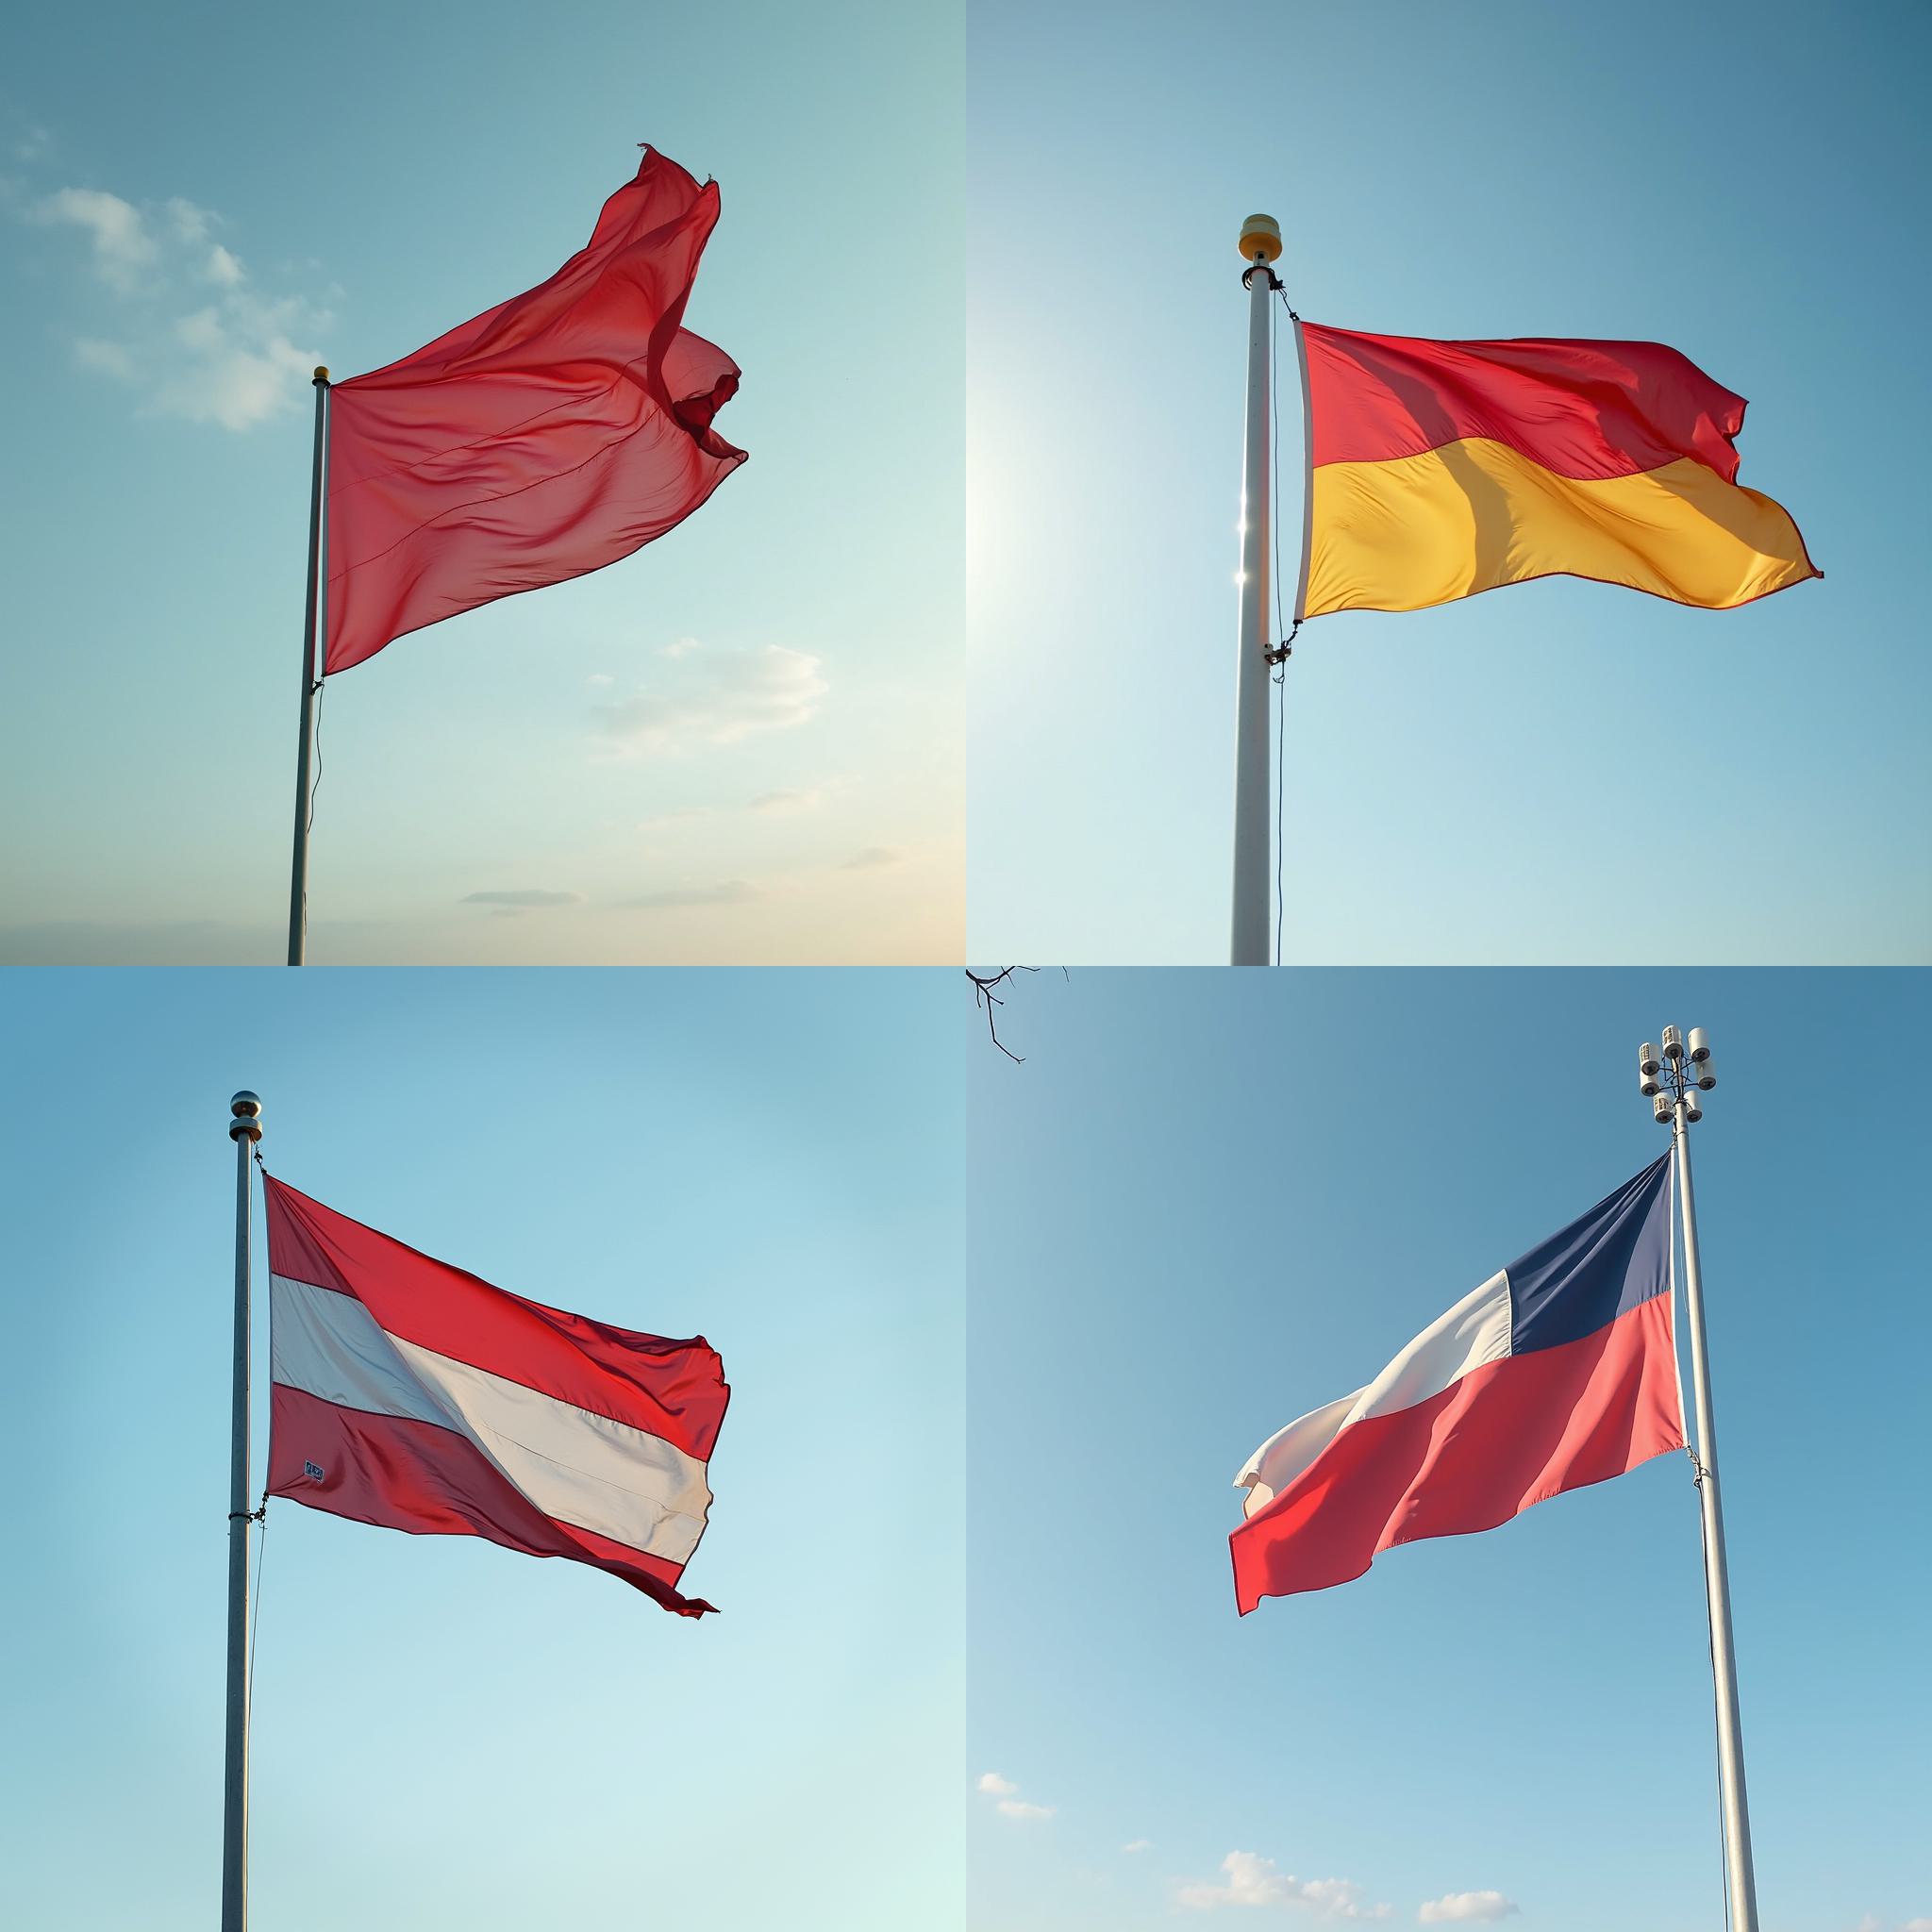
1678, 1073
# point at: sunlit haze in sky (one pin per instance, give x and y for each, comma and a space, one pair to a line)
1555, 772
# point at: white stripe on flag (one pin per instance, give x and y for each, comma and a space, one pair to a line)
576, 1465
1473, 1332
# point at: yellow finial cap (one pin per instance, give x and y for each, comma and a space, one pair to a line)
321, 372
1260, 239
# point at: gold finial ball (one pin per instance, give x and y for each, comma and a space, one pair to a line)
1260, 239
321, 372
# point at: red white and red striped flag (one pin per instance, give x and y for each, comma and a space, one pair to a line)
411, 1395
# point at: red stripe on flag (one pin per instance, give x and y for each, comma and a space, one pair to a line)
669, 1389
399, 1473
1584, 410
1507, 1435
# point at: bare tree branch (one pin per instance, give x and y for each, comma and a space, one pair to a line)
989, 1002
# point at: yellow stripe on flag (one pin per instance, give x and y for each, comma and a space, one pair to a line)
1414, 531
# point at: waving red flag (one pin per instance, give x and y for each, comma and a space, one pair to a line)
550, 435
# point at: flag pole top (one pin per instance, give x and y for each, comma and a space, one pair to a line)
246, 1107
1260, 239
321, 375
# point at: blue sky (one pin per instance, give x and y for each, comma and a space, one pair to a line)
446, 1733
1208, 1203
373, 178
1501, 780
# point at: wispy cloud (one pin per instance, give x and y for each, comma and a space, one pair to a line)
1458, 1907
123, 249
1248, 1879
107, 358
786, 801
1139, 1844
872, 857
185, 329
727, 892
528, 899
1006, 1799
706, 695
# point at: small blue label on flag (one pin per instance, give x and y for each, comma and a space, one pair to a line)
312, 1471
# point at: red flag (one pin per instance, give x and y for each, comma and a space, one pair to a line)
554, 434
412, 1395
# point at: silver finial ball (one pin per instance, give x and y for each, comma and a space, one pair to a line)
246, 1107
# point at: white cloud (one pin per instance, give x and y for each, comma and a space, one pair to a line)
676, 815
236, 364
1139, 1844
1457, 1907
715, 696
1249, 1879
872, 857
786, 801
528, 899
105, 359
235, 361
1008, 1803
191, 224
124, 250
598, 678
727, 892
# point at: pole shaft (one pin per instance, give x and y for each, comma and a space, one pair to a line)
1249, 935
1739, 1876
1301, 582
298, 870
235, 1774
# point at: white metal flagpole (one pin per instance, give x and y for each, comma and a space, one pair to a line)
314, 608
1676, 1080
1260, 245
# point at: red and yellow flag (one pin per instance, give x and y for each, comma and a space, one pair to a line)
1441, 469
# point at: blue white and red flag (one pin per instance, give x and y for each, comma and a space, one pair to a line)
1559, 1371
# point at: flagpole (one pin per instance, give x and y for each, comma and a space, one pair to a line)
1260, 245
1677, 1102
244, 1129
298, 873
